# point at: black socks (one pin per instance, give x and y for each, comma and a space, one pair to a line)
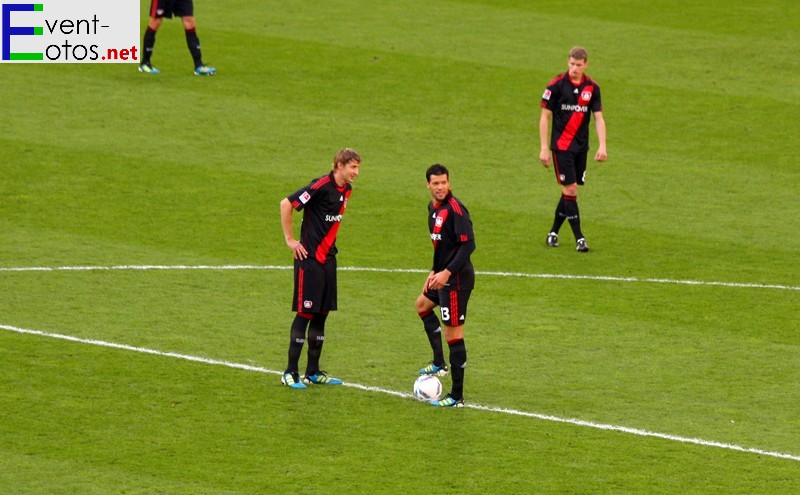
458, 361
434, 331
194, 47
147, 45
316, 337
296, 341
567, 209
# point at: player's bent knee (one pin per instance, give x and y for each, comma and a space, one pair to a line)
570, 190
452, 334
423, 304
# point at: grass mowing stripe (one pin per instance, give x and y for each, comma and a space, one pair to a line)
576, 422
602, 278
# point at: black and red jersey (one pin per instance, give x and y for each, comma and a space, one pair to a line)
572, 105
453, 241
323, 204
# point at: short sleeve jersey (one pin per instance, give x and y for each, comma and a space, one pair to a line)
451, 227
572, 106
323, 204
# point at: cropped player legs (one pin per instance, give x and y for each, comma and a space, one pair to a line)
430, 322
570, 169
453, 305
316, 337
458, 358
569, 196
296, 340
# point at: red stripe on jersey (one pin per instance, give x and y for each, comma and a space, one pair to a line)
570, 130
455, 206
557, 79
327, 242
321, 182
300, 274
153, 8
575, 120
453, 308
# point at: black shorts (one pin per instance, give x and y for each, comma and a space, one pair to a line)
168, 8
570, 167
314, 286
452, 303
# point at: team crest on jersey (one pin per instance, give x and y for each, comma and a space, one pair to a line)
546, 95
307, 304
439, 221
304, 197
586, 96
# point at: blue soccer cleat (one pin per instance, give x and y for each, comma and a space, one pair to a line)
434, 370
204, 70
292, 380
448, 401
321, 378
148, 69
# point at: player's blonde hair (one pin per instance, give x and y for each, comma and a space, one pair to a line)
345, 156
579, 53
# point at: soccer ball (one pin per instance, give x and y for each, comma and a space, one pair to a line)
427, 388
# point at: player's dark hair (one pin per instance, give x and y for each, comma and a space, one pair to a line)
436, 169
345, 156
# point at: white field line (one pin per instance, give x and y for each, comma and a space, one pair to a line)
544, 417
403, 270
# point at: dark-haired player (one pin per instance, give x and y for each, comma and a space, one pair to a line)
570, 100
159, 9
322, 202
449, 283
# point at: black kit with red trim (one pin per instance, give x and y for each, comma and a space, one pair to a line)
453, 241
572, 105
323, 204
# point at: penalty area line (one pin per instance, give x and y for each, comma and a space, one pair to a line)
499, 410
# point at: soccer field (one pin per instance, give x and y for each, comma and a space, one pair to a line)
145, 284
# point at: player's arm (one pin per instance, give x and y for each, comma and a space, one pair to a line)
461, 257
287, 211
600, 127
465, 249
544, 134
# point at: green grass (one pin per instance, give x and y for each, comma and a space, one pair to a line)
103, 166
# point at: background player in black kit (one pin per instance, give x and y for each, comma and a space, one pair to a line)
450, 282
569, 100
323, 202
159, 9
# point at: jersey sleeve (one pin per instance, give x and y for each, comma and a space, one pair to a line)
550, 95
597, 102
302, 196
462, 226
